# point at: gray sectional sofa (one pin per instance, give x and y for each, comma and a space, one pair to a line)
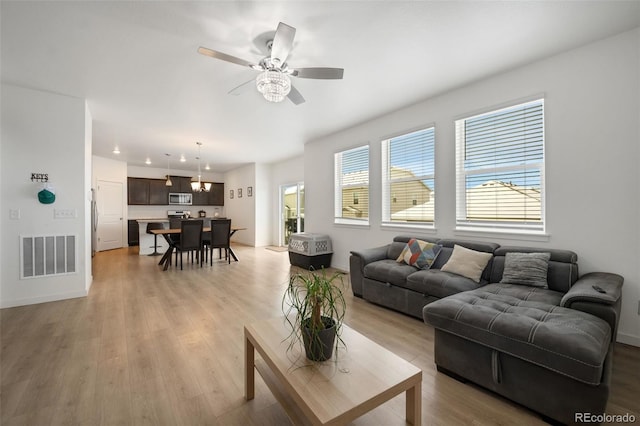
549, 349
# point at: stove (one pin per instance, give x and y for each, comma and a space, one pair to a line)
184, 214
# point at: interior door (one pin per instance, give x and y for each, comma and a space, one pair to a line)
110, 214
291, 211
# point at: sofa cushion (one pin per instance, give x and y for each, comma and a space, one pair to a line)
433, 282
526, 322
389, 271
561, 273
466, 262
526, 269
418, 253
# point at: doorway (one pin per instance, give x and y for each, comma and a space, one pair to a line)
291, 211
110, 223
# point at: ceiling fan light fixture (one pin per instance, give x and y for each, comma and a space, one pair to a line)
274, 85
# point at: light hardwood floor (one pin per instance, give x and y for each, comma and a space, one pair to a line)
153, 347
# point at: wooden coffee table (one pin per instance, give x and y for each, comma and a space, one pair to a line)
364, 376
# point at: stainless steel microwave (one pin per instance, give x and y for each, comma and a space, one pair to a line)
182, 198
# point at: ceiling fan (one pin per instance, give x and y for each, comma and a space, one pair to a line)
273, 81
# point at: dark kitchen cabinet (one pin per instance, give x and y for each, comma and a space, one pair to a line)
200, 198
133, 234
137, 191
216, 195
180, 184
155, 192
158, 192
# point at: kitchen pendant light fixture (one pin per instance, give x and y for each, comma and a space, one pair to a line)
198, 186
168, 182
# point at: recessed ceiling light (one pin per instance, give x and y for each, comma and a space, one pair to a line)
116, 150
148, 161
207, 167
182, 159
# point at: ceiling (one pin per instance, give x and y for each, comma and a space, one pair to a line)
151, 93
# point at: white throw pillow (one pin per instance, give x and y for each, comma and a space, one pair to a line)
466, 262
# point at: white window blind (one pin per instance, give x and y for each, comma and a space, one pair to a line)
352, 185
408, 169
499, 169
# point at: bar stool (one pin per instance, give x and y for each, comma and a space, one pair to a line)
151, 226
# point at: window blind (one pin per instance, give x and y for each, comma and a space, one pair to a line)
408, 168
352, 184
499, 168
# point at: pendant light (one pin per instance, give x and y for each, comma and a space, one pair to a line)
199, 186
168, 182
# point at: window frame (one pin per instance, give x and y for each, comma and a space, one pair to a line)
387, 181
339, 186
463, 223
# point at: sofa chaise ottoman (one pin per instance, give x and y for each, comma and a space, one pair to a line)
548, 348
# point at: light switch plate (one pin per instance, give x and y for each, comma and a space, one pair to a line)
65, 213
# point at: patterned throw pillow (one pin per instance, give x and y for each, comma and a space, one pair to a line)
526, 269
418, 253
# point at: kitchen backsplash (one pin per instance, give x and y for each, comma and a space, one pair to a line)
158, 212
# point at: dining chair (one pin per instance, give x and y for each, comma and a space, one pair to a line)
220, 237
175, 223
206, 237
190, 239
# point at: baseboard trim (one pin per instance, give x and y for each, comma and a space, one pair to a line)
42, 299
628, 339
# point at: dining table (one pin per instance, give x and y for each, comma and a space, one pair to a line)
165, 260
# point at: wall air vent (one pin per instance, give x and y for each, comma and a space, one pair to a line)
46, 255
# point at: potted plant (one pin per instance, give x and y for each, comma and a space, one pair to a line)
314, 307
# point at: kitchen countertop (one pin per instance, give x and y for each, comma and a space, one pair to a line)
166, 220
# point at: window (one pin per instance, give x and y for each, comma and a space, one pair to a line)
352, 186
408, 178
499, 167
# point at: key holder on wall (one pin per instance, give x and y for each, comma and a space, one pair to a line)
47, 195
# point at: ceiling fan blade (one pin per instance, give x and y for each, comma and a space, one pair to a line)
282, 43
295, 96
238, 90
321, 73
219, 55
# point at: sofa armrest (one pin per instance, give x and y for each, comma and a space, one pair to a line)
585, 296
358, 260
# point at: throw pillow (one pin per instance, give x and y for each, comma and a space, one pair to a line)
526, 269
466, 262
418, 253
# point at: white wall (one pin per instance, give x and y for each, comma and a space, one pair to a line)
88, 135
43, 133
287, 172
262, 201
241, 210
592, 180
